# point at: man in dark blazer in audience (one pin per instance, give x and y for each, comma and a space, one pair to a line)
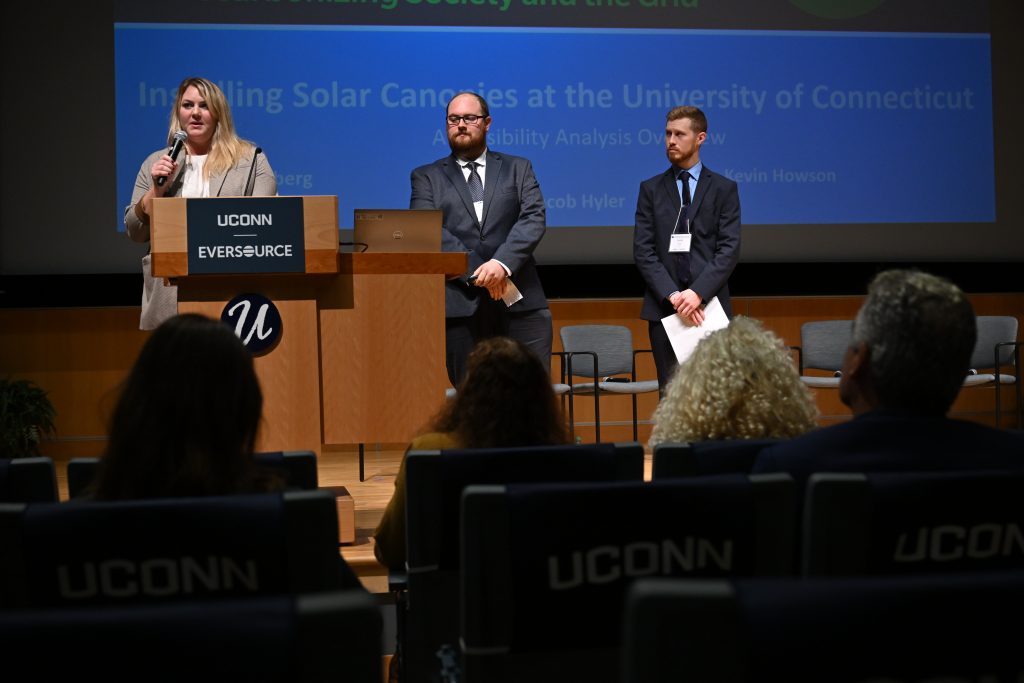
912, 342
686, 241
493, 210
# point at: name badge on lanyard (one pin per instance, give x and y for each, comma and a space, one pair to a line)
679, 242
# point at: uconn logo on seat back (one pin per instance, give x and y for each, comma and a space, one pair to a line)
256, 321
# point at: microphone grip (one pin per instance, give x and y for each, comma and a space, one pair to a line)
179, 142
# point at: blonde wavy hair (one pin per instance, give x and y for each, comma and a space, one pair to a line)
740, 383
226, 148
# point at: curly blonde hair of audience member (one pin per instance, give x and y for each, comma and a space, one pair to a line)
504, 400
740, 383
227, 148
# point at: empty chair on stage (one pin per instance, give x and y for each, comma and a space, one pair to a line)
913, 523
957, 627
545, 567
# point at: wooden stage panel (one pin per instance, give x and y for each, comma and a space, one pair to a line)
383, 357
291, 401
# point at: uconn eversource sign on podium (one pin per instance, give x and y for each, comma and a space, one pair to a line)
246, 235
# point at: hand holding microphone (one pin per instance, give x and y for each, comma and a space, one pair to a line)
179, 142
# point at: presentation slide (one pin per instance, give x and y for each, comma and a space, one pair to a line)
817, 127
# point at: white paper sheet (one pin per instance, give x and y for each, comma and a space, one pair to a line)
685, 336
512, 293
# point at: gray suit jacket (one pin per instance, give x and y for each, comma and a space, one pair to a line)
513, 225
160, 301
714, 249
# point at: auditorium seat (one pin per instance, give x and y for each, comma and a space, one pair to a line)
882, 523
545, 567
434, 484
92, 553
955, 627
331, 636
298, 468
700, 458
27, 480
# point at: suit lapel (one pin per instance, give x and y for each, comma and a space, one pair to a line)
703, 182
671, 189
454, 172
493, 173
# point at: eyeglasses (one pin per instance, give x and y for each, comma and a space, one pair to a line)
471, 119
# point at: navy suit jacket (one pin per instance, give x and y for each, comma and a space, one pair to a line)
714, 248
512, 226
887, 441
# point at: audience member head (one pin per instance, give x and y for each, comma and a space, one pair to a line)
739, 383
185, 423
505, 399
911, 346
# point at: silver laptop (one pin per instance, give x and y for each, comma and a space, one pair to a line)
397, 230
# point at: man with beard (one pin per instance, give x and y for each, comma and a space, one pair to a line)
494, 211
687, 236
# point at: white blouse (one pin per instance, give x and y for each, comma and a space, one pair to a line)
193, 184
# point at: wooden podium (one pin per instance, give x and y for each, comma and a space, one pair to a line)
361, 356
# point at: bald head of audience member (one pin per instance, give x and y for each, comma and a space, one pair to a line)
911, 345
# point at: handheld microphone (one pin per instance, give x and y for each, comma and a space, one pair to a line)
179, 142
251, 182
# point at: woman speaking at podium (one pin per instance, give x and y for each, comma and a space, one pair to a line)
216, 163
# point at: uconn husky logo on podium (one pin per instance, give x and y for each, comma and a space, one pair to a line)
256, 321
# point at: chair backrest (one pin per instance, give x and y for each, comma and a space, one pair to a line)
993, 329
700, 458
297, 468
932, 628
913, 523
435, 481
91, 553
546, 567
823, 344
613, 345
311, 637
27, 480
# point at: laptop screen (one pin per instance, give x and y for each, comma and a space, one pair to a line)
398, 230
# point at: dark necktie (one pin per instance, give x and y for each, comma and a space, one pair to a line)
476, 186
682, 259
685, 177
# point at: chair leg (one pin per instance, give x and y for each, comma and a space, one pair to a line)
597, 411
999, 393
572, 418
362, 473
634, 419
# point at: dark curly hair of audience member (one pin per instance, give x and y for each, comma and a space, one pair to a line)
504, 400
186, 420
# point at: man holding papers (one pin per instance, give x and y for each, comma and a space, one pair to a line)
687, 236
494, 210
